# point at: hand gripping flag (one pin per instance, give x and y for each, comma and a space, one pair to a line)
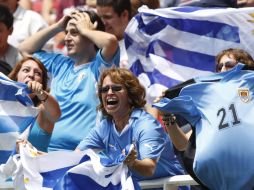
16, 114
223, 125
62, 170
171, 45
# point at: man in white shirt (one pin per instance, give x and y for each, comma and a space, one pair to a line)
9, 55
116, 15
26, 22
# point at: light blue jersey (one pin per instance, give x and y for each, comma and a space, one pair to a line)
39, 138
74, 87
145, 133
223, 115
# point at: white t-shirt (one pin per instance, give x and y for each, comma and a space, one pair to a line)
123, 55
26, 23
12, 56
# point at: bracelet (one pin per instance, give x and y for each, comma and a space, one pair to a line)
169, 120
172, 119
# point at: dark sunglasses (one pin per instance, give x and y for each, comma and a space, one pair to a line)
228, 64
114, 88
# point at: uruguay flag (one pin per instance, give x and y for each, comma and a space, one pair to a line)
65, 170
16, 114
170, 45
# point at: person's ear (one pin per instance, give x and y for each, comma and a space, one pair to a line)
125, 15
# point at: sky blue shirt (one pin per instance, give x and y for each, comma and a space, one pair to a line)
145, 133
74, 87
223, 115
39, 138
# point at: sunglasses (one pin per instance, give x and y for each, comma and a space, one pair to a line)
228, 65
114, 88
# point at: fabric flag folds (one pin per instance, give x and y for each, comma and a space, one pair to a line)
16, 114
171, 45
65, 170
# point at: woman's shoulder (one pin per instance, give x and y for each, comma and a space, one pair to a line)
143, 118
142, 114
105, 122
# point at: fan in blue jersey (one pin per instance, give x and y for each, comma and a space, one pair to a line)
221, 109
74, 77
186, 141
122, 99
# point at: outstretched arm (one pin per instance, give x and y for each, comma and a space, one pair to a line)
178, 137
176, 134
37, 41
50, 110
144, 167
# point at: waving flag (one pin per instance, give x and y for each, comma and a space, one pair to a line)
171, 45
16, 114
61, 170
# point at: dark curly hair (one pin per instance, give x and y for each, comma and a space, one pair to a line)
135, 91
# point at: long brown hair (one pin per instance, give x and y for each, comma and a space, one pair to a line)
135, 91
14, 73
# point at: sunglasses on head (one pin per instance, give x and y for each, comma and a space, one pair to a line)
228, 64
114, 88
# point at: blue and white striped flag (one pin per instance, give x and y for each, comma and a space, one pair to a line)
16, 114
62, 170
171, 45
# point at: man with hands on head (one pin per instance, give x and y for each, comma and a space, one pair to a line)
74, 77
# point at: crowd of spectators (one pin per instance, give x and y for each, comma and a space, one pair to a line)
74, 42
